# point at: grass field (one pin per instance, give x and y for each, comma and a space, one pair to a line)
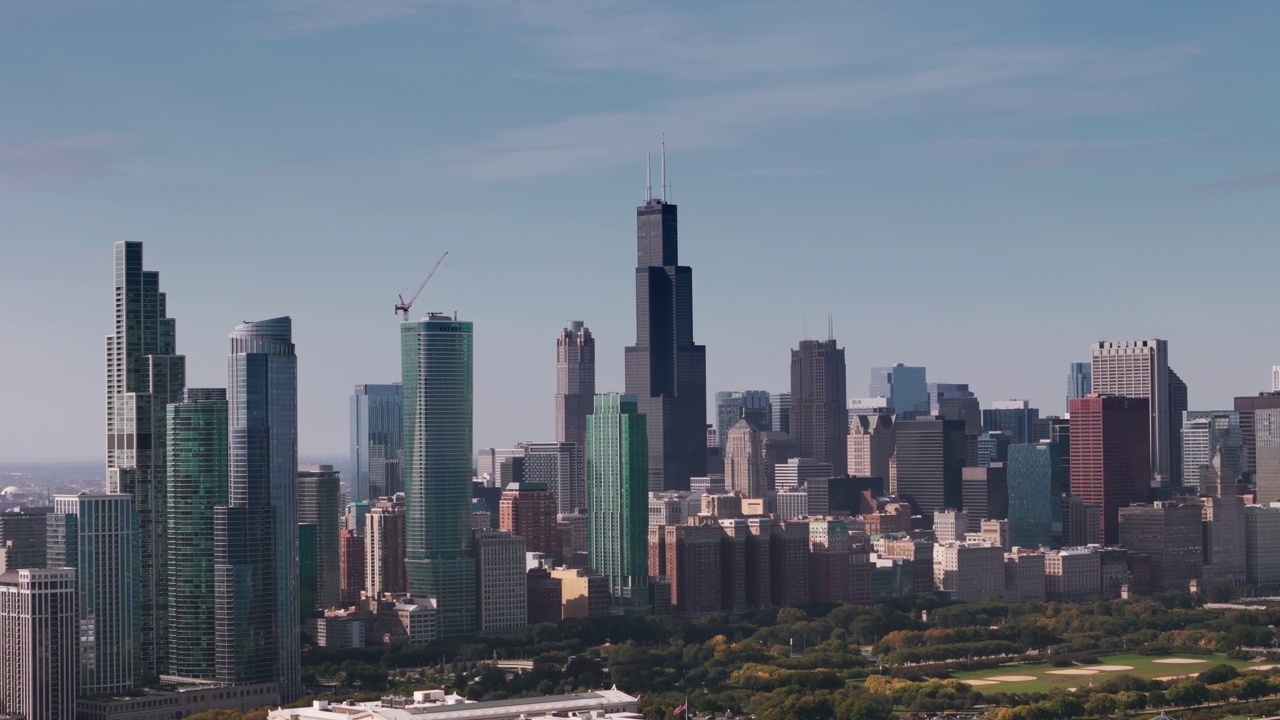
1042, 677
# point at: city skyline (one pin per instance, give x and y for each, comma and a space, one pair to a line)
1107, 158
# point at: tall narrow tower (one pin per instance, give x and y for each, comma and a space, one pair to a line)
617, 499
1140, 369
256, 536
665, 369
819, 418
144, 373
575, 383
436, 365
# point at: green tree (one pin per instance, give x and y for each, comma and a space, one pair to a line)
1102, 705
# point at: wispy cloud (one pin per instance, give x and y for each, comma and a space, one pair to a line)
30, 165
1234, 185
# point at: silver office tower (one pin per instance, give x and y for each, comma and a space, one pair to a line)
144, 373
665, 369
256, 535
97, 536
376, 434
436, 365
575, 383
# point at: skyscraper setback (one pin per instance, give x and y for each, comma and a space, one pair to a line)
436, 366
1110, 457
665, 369
144, 374
1140, 369
575, 383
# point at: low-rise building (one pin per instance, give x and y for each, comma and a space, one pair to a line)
969, 572
1073, 574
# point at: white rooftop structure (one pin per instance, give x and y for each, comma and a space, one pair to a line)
611, 704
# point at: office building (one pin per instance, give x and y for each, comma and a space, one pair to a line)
1079, 380
256, 620
491, 461
1262, 547
575, 385
993, 447
948, 391
308, 568
870, 445
1206, 433
780, 404
1265, 430
528, 511
842, 495
819, 420
1015, 417
1224, 533
197, 473
665, 370
906, 388
501, 593
1177, 409
688, 557
950, 525
377, 432
97, 536
617, 498
968, 571
793, 504
1170, 534
1139, 369
350, 566
1109, 456
436, 356
985, 492
320, 504
1081, 522
744, 466
798, 471
1073, 575
930, 458
23, 538
385, 549
1248, 406
964, 409
144, 374
39, 634
733, 405
1036, 485
560, 467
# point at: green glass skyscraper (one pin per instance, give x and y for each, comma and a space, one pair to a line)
436, 364
618, 498
197, 467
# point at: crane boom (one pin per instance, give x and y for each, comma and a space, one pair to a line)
402, 306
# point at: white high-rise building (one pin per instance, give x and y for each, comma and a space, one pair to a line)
38, 638
97, 535
1275, 378
1139, 368
794, 472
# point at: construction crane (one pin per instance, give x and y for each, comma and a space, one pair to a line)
402, 306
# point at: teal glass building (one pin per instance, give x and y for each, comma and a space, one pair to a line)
1036, 486
436, 373
197, 470
618, 499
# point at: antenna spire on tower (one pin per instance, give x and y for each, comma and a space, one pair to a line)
664, 167
648, 176
831, 326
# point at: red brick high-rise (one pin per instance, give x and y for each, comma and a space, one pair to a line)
528, 510
350, 566
1110, 456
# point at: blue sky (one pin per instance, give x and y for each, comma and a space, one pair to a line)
983, 189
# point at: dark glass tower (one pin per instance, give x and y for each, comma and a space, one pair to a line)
666, 370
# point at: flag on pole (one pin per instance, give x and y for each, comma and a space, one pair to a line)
684, 708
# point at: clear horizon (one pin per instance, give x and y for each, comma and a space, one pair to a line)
982, 191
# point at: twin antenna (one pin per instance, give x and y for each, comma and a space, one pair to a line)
648, 174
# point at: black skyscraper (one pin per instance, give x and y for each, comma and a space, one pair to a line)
819, 418
666, 371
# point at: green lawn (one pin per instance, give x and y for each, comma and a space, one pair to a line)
1046, 677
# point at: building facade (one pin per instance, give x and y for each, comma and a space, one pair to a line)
666, 370
256, 611
734, 405
385, 549
744, 466
39, 634
930, 459
97, 535
1036, 485
1140, 369
870, 445
320, 504
561, 467
1110, 459
528, 511
502, 602
575, 385
197, 476
144, 374
437, 377
377, 433
617, 498
1170, 534
1015, 417
1079, 380
819, 419
905, 386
